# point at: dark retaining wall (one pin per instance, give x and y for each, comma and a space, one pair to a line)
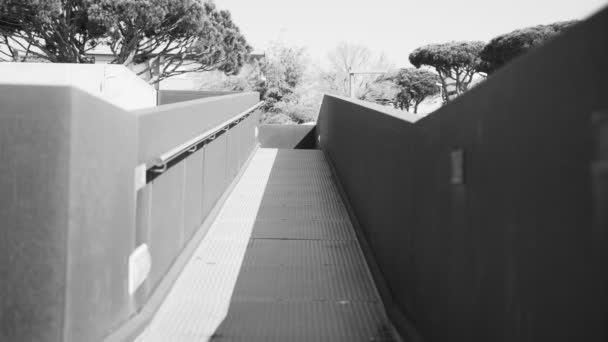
300, 137
487, 219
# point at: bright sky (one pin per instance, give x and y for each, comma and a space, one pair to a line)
395, 27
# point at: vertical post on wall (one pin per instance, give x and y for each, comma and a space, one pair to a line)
351, 75
156, 71
351, 91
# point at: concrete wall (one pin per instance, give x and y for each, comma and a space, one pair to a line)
103, 152
167, 126
68, 211
172, 96
70, 215
34, 195
486, 219
114, 83
172, 207
288, 136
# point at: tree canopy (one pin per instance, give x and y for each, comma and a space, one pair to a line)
502, 49
171, 36
346, 57
283, 69
414, 86
455, 62
383, 92
285, 80
55, 30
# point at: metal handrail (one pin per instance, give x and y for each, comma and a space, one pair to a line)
160, 163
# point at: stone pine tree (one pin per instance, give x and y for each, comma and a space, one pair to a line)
504, 48
347, 57
405, 88
455, 62
172, 37
283, 69
55, 30
382, 91
415, 85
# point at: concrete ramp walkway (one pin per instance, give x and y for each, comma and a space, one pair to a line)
280, 263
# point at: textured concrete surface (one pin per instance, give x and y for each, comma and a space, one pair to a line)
33, 206
114, 83
299, 137
172, 208
510, 250
280, 263
167, 96
101, 217
67, 210
162, 128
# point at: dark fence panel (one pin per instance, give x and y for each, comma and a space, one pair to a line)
232, 153
480, 217
165, 230
214, 170
193, 203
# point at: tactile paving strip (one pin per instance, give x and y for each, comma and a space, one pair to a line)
285, 232
200, 298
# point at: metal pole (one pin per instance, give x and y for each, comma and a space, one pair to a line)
351, 90
351, 75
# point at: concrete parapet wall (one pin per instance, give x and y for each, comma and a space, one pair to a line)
113, 83
167, 126
70, 214
173, 96
34, 200
485, 218
68, 206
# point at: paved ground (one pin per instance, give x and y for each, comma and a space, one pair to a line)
280, 263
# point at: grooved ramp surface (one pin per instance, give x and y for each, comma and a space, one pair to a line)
280, 263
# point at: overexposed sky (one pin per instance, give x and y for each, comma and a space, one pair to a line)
395, 27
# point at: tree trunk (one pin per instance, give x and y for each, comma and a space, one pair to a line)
416, 103
444, 88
